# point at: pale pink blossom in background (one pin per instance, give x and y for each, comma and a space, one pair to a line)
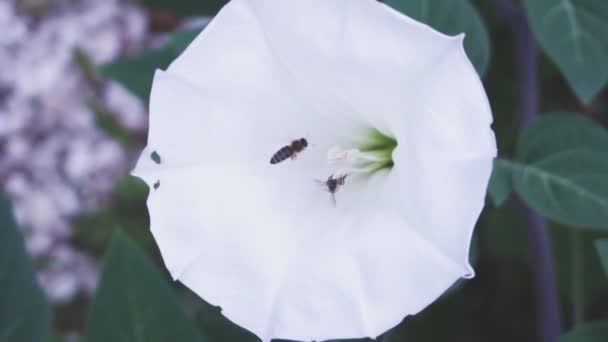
54, 162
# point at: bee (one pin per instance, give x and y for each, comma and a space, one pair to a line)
289, 151
333, 184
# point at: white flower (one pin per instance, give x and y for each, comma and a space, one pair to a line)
396, 104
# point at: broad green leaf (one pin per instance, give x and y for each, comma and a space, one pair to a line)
181, 39
556, 132
215, 327
561, 168
134, 302
569, 187
505, 234
452, 17
602, 250
500, 186
53, 338
590, 332
580, 275
136, 72
24, 312
108, 124
574, 33
126, 211
187, 7
468, 317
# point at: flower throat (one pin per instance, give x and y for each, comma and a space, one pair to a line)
373, 155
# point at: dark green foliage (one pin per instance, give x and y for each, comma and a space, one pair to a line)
107, 123
180, 40
24, 312
590, 332
134, 302
602, 250
126, 212
187, 7
215, 327
574, 33
452, 17
580, 274
137, 71
560, 167
500, 186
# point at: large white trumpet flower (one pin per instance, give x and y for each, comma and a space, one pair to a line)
379, 97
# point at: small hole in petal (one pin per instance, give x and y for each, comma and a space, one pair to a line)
155, 157
156, 185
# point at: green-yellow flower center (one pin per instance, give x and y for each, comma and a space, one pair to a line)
373, 155
380, 146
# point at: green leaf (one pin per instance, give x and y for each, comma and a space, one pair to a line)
500, 186
574, 33
602, 250
134, 302
580, 275
187, 7
24, 312
108, 124
136, 72
556, 132
590, 332
53, 338
452, 17
561, 167
505, 229
568, 187
124, 210
181, 39
215, 327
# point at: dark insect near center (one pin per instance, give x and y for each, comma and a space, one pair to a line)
289, 151
333, 185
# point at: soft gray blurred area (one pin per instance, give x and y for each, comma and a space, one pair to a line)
54, 160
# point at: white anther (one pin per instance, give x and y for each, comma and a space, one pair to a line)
337, 153
351, 155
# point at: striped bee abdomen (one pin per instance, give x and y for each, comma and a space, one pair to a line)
282, 154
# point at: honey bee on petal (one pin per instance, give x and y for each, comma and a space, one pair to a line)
289, 151
333, 184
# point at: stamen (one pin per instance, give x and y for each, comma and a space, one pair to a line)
353, 160
351, 155
374, 154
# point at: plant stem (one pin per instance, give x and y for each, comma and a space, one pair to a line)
547, 302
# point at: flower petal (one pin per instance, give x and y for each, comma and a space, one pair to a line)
191, 125
452, 115
202, 130
444, 200
263, 242
280, 261
298, 275
410, 81
371, 58
444, 161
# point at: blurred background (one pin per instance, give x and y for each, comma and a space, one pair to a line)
74, 82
